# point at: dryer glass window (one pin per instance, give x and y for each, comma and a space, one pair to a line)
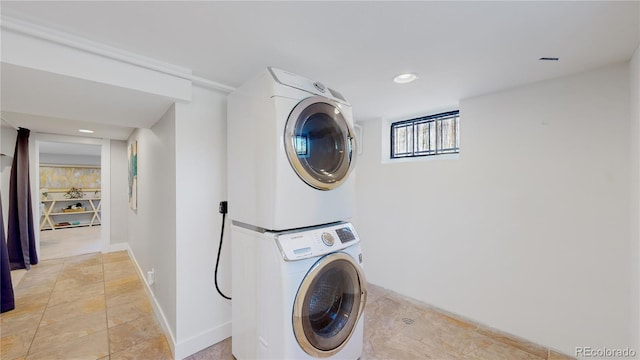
331, 305
322, 145
319, 143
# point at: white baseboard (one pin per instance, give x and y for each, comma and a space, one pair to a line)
119, 247
202, 340
190, 346
157, 310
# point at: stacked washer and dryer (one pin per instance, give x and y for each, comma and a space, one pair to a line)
297, 278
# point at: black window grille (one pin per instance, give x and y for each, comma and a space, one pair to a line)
428, 135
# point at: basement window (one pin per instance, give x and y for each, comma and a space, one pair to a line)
426, 136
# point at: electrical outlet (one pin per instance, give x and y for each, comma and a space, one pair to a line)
151, 276
223, 207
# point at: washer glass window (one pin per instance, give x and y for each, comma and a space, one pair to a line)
319, 143
328, 306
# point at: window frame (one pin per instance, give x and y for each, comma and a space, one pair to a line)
430, 120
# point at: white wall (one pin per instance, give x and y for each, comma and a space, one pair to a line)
152, 228
204, 318
634, 69
181, 180
119, 192
528, 230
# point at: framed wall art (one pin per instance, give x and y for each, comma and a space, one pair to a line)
132, 154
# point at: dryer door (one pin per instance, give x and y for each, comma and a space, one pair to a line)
328, 305
320, 143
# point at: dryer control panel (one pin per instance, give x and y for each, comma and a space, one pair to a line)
317, 241
308, 85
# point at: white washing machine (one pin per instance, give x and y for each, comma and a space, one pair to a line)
298, 294
291, 151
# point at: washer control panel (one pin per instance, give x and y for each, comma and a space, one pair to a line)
321, 240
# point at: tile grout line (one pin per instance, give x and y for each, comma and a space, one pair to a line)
106, 311
44, 310
58, 276
126, 322
463, 351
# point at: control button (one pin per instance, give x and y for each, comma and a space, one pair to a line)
327, 239
319, 86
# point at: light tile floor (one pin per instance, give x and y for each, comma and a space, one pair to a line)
94, 307
400, 328
70, 242
82, 307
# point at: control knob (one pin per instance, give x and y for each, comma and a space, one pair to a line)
327, 239
319, 86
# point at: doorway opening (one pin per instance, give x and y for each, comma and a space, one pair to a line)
69, 179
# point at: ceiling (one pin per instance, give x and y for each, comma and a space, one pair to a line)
459, 49
75, 101
58, 148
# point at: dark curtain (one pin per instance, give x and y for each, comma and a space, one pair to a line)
21, 241
8, 301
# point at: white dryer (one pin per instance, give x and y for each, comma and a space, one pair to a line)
298, 294
291, 151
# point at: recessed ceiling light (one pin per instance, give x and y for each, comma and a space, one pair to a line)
405, 78
86, 131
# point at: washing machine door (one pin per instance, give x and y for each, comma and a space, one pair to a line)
320, 143
329, 303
